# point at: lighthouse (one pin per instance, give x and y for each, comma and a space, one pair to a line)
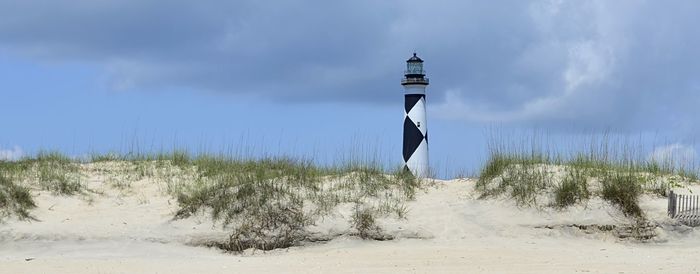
415, 126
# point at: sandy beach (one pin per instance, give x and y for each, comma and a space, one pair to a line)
447, 230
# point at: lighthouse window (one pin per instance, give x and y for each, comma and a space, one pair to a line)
418, 124
415, 68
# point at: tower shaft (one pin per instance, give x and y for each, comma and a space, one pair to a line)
415, 135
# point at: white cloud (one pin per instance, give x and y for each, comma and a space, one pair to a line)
675, 154
588, 63
572, 45
11, 154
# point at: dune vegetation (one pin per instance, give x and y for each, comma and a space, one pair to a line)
272, 202
265, 203
533, 175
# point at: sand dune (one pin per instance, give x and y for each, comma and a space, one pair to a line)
447, 230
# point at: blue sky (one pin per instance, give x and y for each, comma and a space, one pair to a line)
321, 78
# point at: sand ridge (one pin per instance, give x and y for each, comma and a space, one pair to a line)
447, 230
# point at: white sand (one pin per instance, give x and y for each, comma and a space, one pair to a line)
448, 231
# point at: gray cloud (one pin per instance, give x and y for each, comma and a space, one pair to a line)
619, 64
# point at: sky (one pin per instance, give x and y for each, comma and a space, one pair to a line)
322, 78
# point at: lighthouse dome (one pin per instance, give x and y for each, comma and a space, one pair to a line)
415, 59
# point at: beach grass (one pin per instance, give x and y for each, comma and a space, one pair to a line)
266, 202
623, 189
572, 189
50, 171
15, 200
269, 203
534, 173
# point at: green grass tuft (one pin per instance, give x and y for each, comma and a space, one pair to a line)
623, 190
57, 173
573, 189
14, 199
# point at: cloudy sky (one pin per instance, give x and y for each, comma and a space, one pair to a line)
322, 78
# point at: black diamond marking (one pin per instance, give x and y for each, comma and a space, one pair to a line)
412, 100
411, 138
426, 137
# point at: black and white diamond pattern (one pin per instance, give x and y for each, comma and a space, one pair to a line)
415, 135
